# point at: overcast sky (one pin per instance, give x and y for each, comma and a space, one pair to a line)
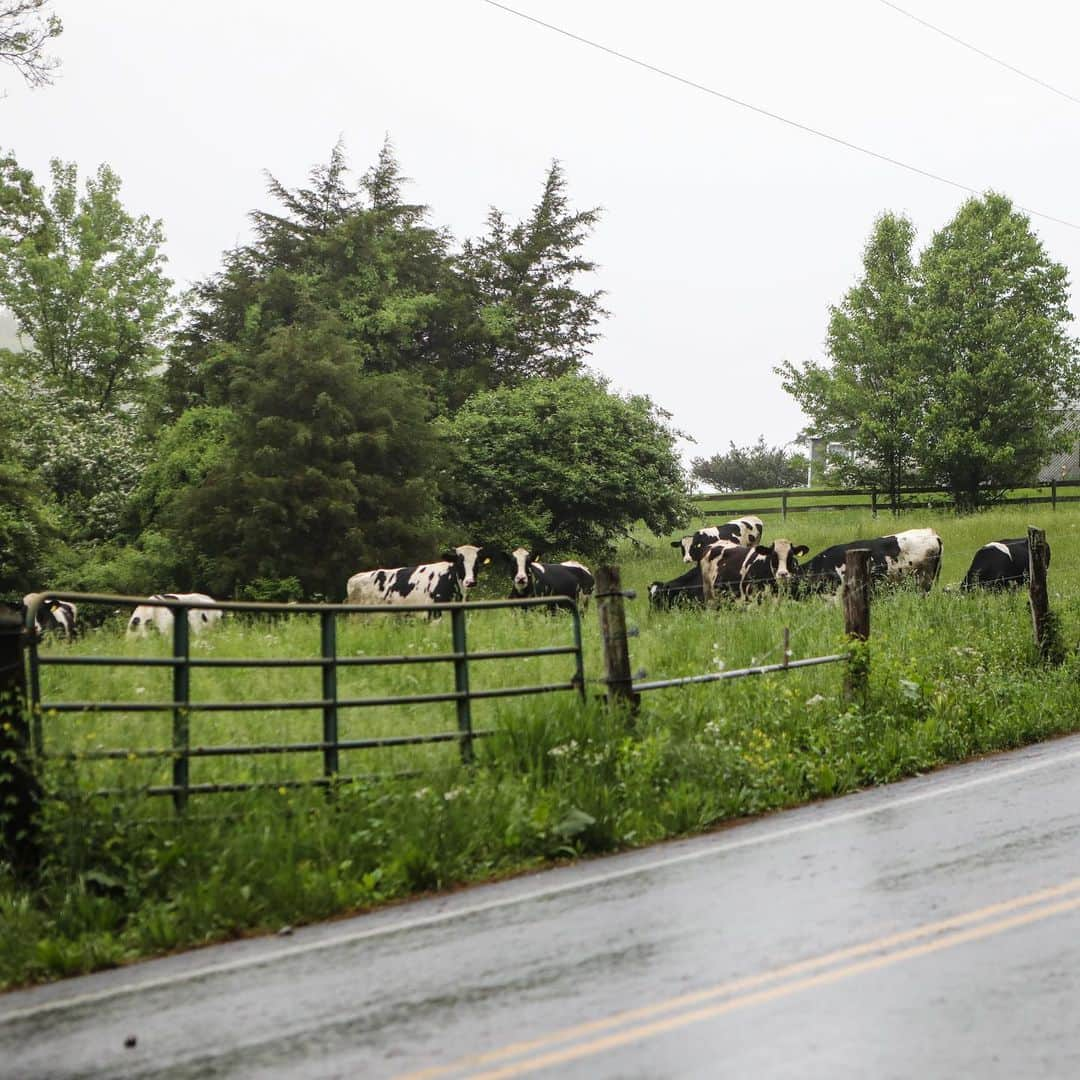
725, 235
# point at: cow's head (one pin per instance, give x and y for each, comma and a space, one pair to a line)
684, 544
783, 558
521, 560
469, 559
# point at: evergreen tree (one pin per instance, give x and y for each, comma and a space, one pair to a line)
523, 278
328, 469
362, 255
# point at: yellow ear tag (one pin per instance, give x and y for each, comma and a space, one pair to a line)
487, 562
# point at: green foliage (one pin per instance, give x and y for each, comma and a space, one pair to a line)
957, 370
327, 469
563, 465
870, 396
746, 468
28, 531
999, 366
360, 255
84, 280
522, 278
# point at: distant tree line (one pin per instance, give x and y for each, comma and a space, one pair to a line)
352, 388
751, 468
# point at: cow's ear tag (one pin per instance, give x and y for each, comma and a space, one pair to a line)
487, 562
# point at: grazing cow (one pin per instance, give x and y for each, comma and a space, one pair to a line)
531, 577
728, 570
685, 589
745, 531
55, 616
1001, 564
441, 582
161, 618
914, 553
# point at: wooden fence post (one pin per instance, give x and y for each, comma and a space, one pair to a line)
20, 791
856, 600
612, 613
1041, 618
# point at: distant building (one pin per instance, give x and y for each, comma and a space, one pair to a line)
1066, 465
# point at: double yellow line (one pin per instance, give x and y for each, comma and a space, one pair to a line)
634, 1025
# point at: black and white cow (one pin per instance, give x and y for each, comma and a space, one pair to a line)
531, 577
147, 616
914, 553
1001, 564
685, 589
441, 582
742, 571
55, 617
745, 531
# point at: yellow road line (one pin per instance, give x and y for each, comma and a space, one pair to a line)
673, 1023
745, 983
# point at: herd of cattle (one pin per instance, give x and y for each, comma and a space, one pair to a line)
728, 561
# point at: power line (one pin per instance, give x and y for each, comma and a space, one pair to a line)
762, 111
959, 41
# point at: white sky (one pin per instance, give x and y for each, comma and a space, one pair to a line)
725, 235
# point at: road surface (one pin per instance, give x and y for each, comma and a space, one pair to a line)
930, 929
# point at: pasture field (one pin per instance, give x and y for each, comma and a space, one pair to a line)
952, 675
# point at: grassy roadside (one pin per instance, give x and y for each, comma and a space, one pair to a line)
951, 676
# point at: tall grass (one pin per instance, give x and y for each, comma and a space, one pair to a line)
952, 675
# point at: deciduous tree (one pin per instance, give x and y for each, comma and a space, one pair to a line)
998, 365
85, 281
870, 395
25, 33
563, 465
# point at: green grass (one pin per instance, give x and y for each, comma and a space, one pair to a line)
951, 676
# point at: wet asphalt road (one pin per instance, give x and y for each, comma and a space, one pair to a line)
928, 929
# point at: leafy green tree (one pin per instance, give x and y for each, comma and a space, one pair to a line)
87, 459
327, 469
563, 465
871, 394
998, 366
523, 278
85, 281
749, 468
25, 33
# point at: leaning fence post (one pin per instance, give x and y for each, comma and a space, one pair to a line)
612, 613
181, 715
856, 600
1041, 617
20, 790
461, 683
